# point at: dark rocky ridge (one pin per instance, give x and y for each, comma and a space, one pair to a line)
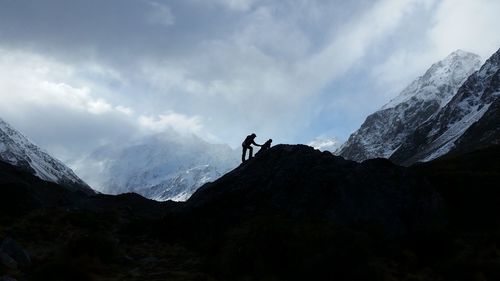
21, 193
469, 183
292, 213
300, 182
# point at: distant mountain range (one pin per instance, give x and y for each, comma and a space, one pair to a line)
452, 101
160, 167
326, 143
18, 150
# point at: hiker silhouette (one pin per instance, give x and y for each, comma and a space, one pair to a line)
247, 145
264, 147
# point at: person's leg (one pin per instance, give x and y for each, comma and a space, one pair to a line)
251, 152
243, 154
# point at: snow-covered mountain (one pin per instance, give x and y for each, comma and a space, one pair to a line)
471, 120
160, 167
181, 185
384, 131
322, 143
18, 150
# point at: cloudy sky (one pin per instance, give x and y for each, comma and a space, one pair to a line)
77, 74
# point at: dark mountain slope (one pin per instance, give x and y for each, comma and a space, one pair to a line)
469, 183
21, 192
300, 182
293, 213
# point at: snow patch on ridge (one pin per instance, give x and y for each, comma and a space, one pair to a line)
446, 141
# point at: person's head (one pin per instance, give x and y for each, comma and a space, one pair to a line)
269, 141
253, 135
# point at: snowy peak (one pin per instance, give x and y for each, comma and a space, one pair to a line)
469, 121
384, 131
160, 167
455, 68
441, 81
18, 150
181, 185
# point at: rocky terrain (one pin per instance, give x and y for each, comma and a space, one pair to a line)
292, 213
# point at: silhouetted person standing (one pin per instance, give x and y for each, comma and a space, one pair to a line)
265, 146
247, 145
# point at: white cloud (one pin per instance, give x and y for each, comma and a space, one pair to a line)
468, 25
28, 80
171, 121
237, 5
46, 99
125, 110
42, 98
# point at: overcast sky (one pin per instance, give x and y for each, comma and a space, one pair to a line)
76, 74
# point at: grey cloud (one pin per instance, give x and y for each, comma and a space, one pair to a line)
69, 135
120, 31
116, 32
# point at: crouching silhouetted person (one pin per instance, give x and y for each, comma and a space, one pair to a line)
247, 145
265, 146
